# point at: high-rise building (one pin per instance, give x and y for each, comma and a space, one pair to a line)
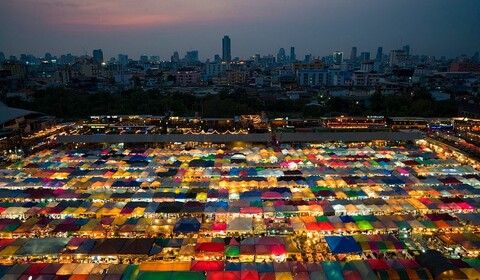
281, 56
226, 49
123, 58
98, 55
406, 49
397, 57
379, 56
48, 56
293, 56
353, 54
217, 58
308, 58
337, 57
143, 58
175, 57
2, 57
191, 57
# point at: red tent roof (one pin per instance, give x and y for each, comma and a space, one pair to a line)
225, 275
219, 226
278, 249
450, 181
210, 247
352, 274
325, 226
378, 264
207, 266
249, 275
267, 276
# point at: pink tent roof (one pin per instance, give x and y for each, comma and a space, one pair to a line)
271, 195
278, 249
378, 264
219, 226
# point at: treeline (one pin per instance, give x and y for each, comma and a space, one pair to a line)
70, 104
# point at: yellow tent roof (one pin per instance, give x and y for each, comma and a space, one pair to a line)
9, 250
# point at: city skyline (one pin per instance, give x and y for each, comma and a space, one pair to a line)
440, 28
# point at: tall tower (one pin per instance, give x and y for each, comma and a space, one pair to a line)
406, 49
281, 56
379, 56
226, 49
293, 56
337, 57
353, 54
98, 55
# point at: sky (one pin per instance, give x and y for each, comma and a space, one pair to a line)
160, 27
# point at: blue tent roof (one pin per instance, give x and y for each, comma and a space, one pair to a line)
233, 266
342, 244
346, 219
332, 270
186, 225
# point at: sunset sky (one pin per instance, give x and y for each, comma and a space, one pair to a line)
159, 27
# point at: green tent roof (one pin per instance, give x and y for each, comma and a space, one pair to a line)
232, 251
364, 225
322, 219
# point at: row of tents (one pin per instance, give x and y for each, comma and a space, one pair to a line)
373, 269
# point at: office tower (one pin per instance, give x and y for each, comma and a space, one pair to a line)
48, 56
364, 56
226, 49
406, 50
217, 58
2, 57
337, 57
154, 58
397, 57
123, 58
308, 58
379, 56
98, 55
293, 56
175, 57
281, 56
143, 59
191, 57
353, 54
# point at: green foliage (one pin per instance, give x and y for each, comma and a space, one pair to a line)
71, 104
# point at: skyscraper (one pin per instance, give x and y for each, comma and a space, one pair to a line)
98, 55
48, 56
379, 56
175, 57
281, 56
226, 49
123, 58
353, 54
397, 57
406, 49
143, 58
191, 56
293, 56
337, 57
